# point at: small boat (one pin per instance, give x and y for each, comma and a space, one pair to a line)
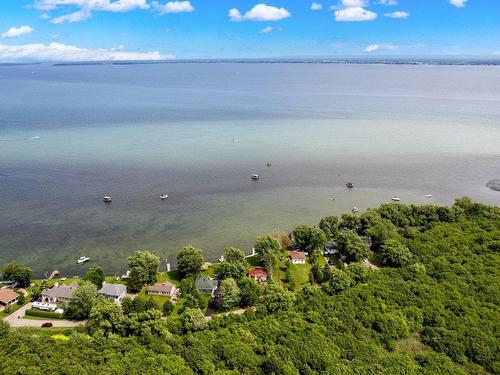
395, 199
269, 164
255, 177
428, 196
36, 138
164, 196
349, 185
355, 209
107, 199
332, 198
82, 260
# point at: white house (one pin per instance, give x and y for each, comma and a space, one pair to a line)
298, 257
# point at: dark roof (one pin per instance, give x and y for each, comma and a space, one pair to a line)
60, 291
113, 290
205, 282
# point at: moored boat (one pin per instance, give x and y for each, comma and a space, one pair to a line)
82, 260
396, 199
428, 196
355, 209
349, 185
255, 176
164, 196
107, 199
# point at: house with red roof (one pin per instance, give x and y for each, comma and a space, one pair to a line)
258, 274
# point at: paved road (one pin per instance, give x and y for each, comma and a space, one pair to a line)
15, 320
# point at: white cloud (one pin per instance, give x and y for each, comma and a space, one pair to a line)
458, 3
269, 29
260, 12
355, 3
173, 7
316, 6
397, 14
81, 15
388, 2
44, 16
61, 52
84, 8
372, 48
15, 32
354, 14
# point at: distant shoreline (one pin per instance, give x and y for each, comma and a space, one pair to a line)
437, 61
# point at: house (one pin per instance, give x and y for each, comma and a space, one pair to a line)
7, 297
114, 292
162, 289
205, 284
298, 257
258, 274
58, 293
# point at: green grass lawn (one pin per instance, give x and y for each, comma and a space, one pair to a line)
172, 276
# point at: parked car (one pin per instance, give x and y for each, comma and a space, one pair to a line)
46, 325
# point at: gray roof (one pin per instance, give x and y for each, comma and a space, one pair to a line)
113, 290
60, 291
204, 282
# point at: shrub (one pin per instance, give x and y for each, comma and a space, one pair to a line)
43, 314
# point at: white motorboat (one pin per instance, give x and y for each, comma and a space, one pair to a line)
349, 185
163, 196
396, 199
107, 199
355, 209
428, 196
82, 260
255, 176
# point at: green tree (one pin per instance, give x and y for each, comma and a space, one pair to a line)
151, 304
19, 273
394, 253
21, 300
227, 269
230, 293
4, 328
81, 301
143, 266
309, 238
234, 255
350, 222
330, 226
193, 320
168, 307
276, 298
352, 247
339, 282
249, 292
268, 250
95, 275
189, 261
105, 317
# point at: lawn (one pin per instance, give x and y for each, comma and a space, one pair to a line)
299, 274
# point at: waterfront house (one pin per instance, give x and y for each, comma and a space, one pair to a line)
162, 289
205, 284
298, 257
114, 292
7, 297
258, 274
58, 293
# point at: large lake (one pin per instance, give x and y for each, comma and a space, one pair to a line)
197, 131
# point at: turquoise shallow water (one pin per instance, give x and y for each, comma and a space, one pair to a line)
197, 131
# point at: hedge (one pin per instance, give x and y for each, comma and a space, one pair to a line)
43, 314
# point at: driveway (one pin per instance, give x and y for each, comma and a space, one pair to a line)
15, 320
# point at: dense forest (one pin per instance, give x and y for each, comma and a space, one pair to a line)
429, 305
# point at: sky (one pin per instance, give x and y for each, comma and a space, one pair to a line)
72, 30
